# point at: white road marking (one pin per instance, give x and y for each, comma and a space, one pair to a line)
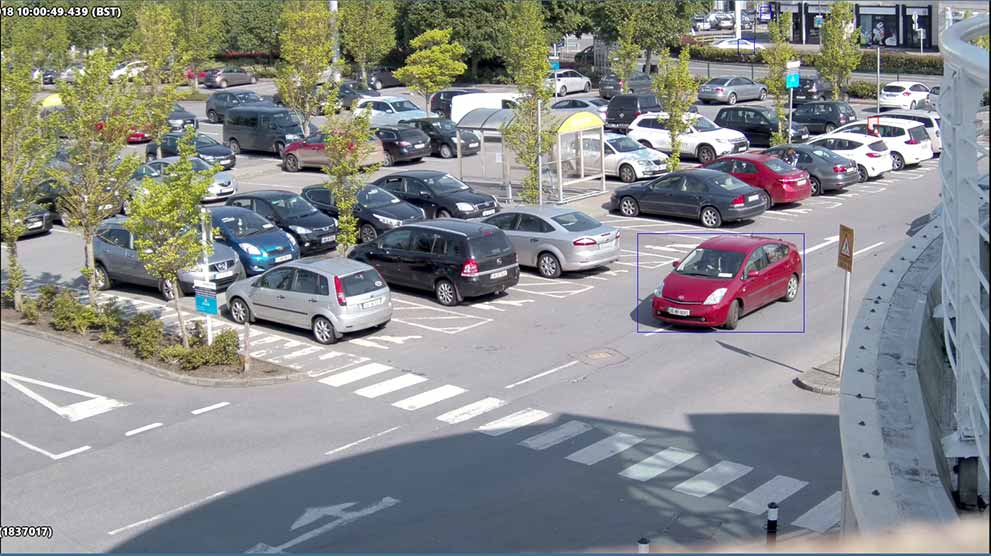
436, 314
713, 479
366, 343
344, 518
356, 442
95, 405
292, 344
605, 448
545, 373
354, 375
823, 517
868, 248
42, 451
598, 278
429, 397
266, 340
202, 410
775, 490
471, 410
163, 514
404, 380
140, 430
556, 435
297, 353
661, 462
398, 340
512, 422
829, 241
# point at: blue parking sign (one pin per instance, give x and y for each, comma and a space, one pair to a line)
791, 80
206, 304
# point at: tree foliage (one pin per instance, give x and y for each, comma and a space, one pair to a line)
658, 24
202, 33
38, 42
307, 50
156, 41
627, 52
88, 33
840, 53
777, 55
165, 219
368, 31
434, 65
477, 25
675, 87
249, 28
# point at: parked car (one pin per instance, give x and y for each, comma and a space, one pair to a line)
128, 70
462, 104
453, 258
908, 140
179, 118
46, 76
933, 98
624, 158
871, 154
309, 152
906, 95
931, 120
624, 109
727, 277
729, 90
825, 116
586, 57
351, 91
701, 23
812, 87
224, 183
758, 124
708, 196
440, 102
556, 239
439, 194
828, 171
742, 46
261, 127
313, 231
385, 111
71, 72
328, 295
228, 75
779, 181
49, 192
218, 104
37, 220
567, 81
611, 85
596, 106
377, 210
259, 244
443, 136
207, 148
116, 259
403, 143
382, 78
703, 139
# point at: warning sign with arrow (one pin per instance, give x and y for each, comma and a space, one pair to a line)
844, 258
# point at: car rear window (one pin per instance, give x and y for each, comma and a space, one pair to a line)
728, 183
490, 244
878, 146
847, 110
577, 222
779, 166
893, 88
410, 133
718, 81
918, 133
362, 282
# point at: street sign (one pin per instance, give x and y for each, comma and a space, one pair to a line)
555, 63
844, 257
793, 65
791, 80
817, 23
206, 297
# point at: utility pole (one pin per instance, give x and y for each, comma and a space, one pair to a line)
738, 8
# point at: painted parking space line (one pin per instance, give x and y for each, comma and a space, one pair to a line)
824, 516
868, 248
471, 410
42, 451
659, 463
653, 260
512, 422
404, 380
605, 448
156, 517
558, 289
208, 408
713, 479
429, 397
775, 490
140, 430
333, 361
557, 435
360, 441
434, 319
543, 374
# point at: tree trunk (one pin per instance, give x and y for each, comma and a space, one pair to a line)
178, 312
90, 268
474, 67
15, 279
246, 356
364, 73
646, 60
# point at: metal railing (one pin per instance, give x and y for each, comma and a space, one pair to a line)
965, 229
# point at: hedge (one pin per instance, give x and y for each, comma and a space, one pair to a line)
891, 62
862, 89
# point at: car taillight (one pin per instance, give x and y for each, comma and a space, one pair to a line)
874, 155
719, 89
738, 202
839, 169
912, 141
583, 242
636, 114
341, 300
620, 84
470, 268
906, 94
405, 144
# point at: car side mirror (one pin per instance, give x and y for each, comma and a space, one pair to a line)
676, 264
752, 274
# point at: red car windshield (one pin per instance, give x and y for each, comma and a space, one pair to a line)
711, 263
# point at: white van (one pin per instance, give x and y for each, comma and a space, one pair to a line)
462, 104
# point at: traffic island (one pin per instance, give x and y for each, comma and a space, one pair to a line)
821, 379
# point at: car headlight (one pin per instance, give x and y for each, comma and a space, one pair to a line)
659, 292
465, 207
250, 249
176, 123
387, 221
299, 230
715, 297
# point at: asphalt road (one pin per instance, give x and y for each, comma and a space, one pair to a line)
557, 404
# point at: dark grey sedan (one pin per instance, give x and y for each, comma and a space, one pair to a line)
219, 103
611, 85
710, 196
827, 170
229, 75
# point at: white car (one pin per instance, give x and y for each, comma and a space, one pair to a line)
908, 141
128, 70
704, 140
931, 120
624, 158
933, 98
872, 155
906, 95
567, 81
743, 45
389, 110
596, 106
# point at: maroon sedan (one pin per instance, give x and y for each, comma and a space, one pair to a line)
726, 277
781, 181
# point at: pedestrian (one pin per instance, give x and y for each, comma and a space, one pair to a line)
791, 157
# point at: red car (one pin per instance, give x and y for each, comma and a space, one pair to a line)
727, 277
134, 135
783, 182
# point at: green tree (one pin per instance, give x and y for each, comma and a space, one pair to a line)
840, 53
659, 24
477, 25
166, 220
156, 42
777, 55
368, 31
307, 50
627, 52
567, 17
26, 146
248, 28
88, 33
434, 65
37, 41
202, 34
98, 116
675, 87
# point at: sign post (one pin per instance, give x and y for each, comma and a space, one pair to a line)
844, 260
791, 82
878, 95
209, 300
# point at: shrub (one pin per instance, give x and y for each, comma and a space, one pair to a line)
862, 89
188, 359
224, 350
30, 311
110, 317
69, 314
891, 62
108, 337
145, 334
46, 296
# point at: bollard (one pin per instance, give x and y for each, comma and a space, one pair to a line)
643, 545
772, 523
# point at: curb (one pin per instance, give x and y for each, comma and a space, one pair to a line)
152, 369
817, 388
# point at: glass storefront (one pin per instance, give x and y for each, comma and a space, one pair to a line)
878, 29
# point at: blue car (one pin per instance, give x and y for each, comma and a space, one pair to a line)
258, 243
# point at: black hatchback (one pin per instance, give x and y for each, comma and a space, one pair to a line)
377, 210
439, 194
454, 259
824, 117
443, 137
207, 148
314, 231
757, 123
403, 143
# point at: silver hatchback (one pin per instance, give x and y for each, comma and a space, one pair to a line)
329, 295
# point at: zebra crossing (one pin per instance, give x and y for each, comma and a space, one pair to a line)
496, 418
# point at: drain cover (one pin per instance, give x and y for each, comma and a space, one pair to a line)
602, 357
